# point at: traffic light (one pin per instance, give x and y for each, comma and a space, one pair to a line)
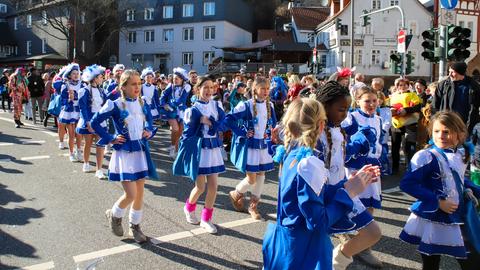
396, 63
338, 24
457, 43
429, 37
366, 19
410, 63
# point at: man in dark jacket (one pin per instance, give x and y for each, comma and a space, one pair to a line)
36, 87
459, 93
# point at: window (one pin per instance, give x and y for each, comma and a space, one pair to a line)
3, 8
149, 36
188, 34
82, 17
168, 35
394, 2
167, 12
15, 23
209, 33
209, 8
130, 15
375, 57
358, 57
132, 37
187, 10
83, 46
29, 47
323, 60
208, 57
310, 37
376, 4
44, 45
148, 16
461, 24
44, 17
29, 21
187, 58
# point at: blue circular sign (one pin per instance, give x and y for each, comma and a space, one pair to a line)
449, 4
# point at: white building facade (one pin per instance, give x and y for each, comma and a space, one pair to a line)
376, 42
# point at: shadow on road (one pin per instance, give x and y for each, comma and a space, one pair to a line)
18, 216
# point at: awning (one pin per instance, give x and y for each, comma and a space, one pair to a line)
50, 56
283, 46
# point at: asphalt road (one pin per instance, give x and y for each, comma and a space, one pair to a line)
52, 215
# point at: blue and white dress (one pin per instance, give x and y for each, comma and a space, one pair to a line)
336, 167
356, 121
241, 120
112, 92
202, 140
90, 101
70, 112
306, 210
131, 160
176, 97
430, 178
150, 95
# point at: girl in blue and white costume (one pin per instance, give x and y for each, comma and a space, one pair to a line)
203, 122
251, 122
333, 149
173, 103
112, 92
130, 162
70, 112
90, 100
366, 118
436, 178
150, 92
57, 84
307, 206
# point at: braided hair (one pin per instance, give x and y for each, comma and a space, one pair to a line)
259, 82
327, 95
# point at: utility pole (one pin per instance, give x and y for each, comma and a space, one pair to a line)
352, 34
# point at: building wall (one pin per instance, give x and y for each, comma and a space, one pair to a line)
380, 36
226, 35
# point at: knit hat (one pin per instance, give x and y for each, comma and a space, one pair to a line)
459, 67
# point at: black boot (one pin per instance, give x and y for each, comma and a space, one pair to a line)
17, 123
45, 121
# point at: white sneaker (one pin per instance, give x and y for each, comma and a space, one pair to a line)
73, 157
191, 216
79, 154
87, 168
172, 153
208, 226
61, 145
100, 175
224, 154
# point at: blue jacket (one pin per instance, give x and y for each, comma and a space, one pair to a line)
307, 208
424, 181
279, 89
168, 97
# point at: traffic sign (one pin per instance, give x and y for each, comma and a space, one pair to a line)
449, 4
401, 48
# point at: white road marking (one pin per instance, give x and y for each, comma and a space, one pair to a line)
41, 266
391, 190
50, 133
22, 142
166, 238
6, 144
34, 158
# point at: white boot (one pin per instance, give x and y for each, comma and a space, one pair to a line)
340, 261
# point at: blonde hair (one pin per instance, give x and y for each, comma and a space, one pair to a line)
301, 122
455, 124
258, 82
124, 78
294, 79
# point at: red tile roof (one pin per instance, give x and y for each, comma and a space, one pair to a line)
307, 18
271, 34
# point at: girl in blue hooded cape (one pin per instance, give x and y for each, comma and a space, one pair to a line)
307, 206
